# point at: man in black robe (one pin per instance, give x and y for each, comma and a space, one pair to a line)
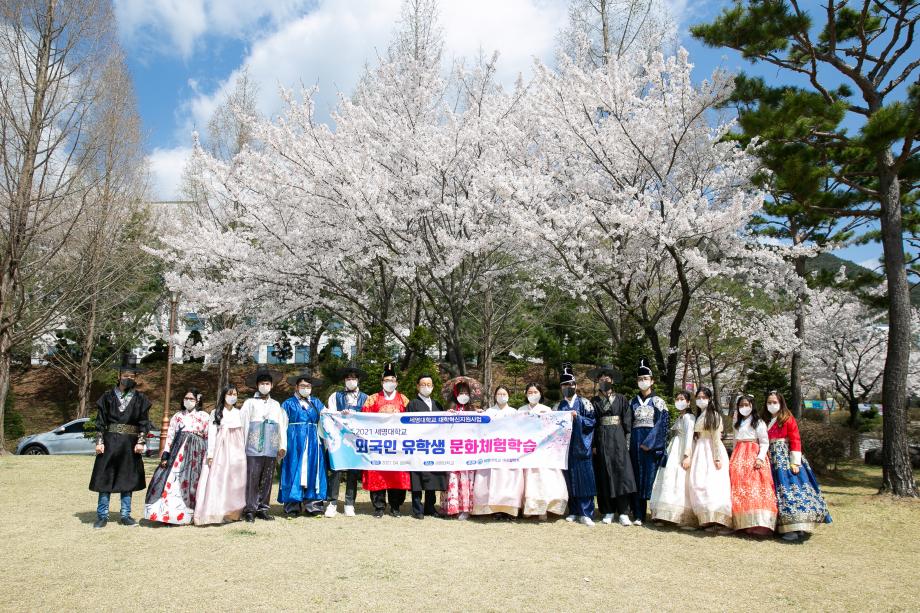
428, 482
615, 480
122, 424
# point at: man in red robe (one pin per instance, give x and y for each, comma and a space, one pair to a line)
386, 485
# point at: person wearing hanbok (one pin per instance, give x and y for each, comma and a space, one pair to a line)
302, 486
457, 500
753, 494
499, 490
387, 486
265, 432
173, 490
545, 490
616, 482
800, 506
222, 486
670, 499
710, 486
579, 476
346, 400
647, 438
425, 484
122, 425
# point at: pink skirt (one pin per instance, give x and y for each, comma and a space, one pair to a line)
498, 490
222, 487
459, 495
753, 496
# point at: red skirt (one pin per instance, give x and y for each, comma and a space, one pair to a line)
753, 496
376, 480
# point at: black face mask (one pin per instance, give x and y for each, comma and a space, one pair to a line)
605, 386
128, 384
569, 393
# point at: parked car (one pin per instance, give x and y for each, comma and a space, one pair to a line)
71, 439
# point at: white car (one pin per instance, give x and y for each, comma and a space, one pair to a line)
71, 439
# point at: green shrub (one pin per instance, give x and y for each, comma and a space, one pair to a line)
813, 415
824, 445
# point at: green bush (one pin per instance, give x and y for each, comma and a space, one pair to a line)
13, 426
824, 445
813, 415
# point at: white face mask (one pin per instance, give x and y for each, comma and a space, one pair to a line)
389, 386
305, 392
533, 398
501, 400
645, 385
189, 404
773, 407
680, 405
702, 403
230, 400
463, 398
351, 384
425, 390
265, 388
744, 410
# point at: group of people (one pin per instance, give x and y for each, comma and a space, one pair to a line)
219, 466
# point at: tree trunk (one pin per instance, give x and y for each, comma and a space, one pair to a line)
5, 359
85, 376
897, 473
854, 411
223, 370
796, 400
486, 344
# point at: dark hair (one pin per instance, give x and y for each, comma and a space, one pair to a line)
265, 377
221, 401
303, 378
500, 387
535, 385
462, 385
755, 418
424, 375
194, 391
712, 418
784, 413
686, 396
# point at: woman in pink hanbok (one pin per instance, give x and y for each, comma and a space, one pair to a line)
222, 488
544, 488
499, 490
458, 499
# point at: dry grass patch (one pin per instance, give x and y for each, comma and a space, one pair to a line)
53, 559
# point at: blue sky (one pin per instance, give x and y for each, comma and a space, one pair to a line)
184, 54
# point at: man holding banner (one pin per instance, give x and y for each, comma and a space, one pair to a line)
346, 400
386, 485
429, 482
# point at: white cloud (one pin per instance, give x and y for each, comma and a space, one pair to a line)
175, 26
166, 171
330, 46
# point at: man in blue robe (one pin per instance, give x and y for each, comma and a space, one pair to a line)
648, 438
302, 487
580, 475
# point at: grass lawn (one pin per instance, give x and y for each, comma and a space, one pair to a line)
52, 559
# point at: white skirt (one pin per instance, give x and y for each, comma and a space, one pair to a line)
670, 499
710, 488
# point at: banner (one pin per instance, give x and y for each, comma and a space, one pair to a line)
446, 441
